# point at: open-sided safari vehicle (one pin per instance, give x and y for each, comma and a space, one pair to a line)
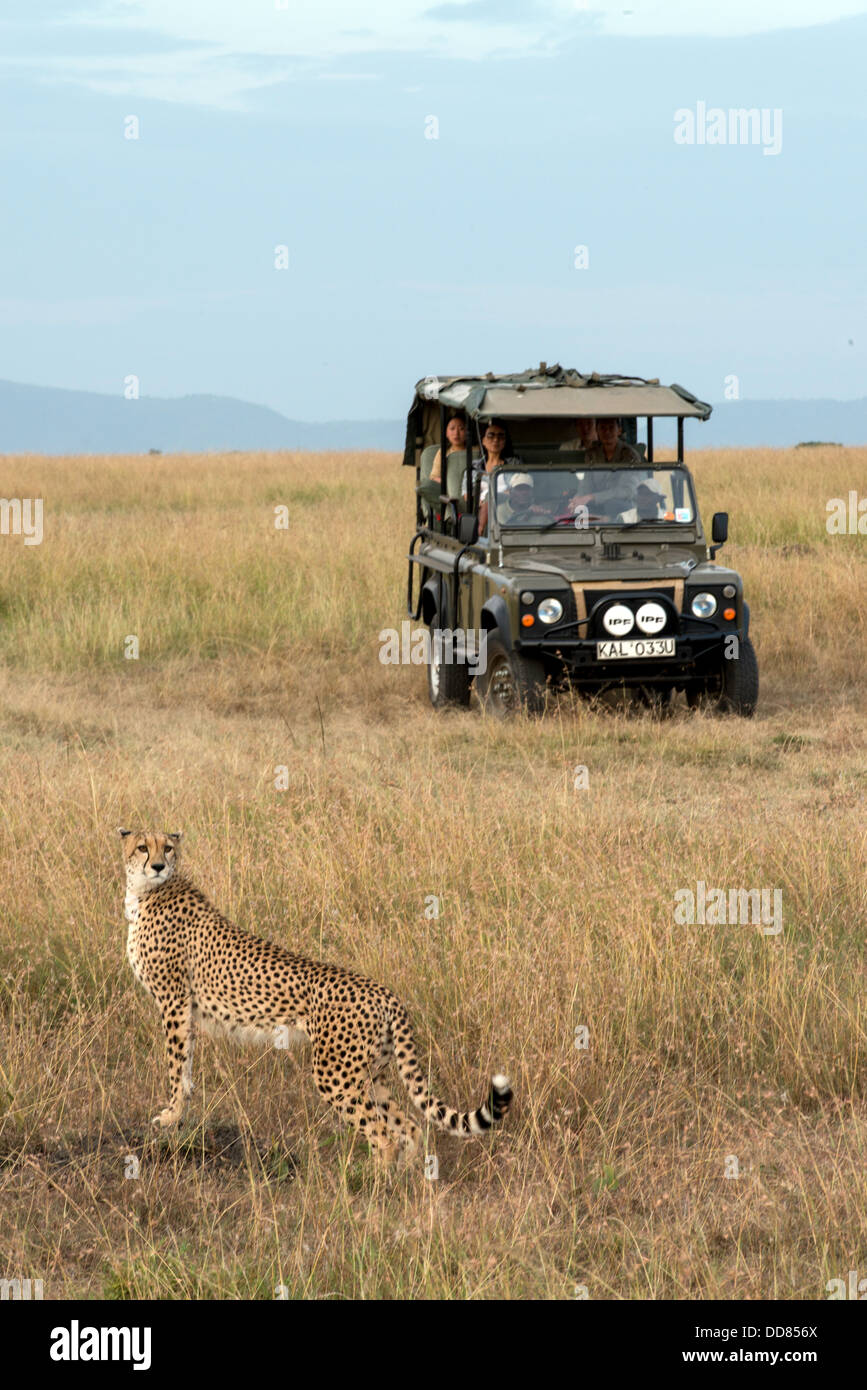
563, 564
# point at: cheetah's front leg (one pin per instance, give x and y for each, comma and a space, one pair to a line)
177, 1017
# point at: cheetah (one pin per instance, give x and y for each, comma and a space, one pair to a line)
206, 974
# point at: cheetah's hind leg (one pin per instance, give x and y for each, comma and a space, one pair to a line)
404, 1131
346, 1092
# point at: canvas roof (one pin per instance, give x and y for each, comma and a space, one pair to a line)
551, 392
569, 401
559, 391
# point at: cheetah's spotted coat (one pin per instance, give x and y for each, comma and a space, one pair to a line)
205, 973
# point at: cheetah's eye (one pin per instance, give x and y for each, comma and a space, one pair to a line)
170, 849
142, 849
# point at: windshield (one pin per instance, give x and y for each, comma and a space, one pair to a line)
545, 498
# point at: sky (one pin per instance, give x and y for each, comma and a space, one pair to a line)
325, 202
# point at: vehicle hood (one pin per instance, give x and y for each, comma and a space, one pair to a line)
652, 567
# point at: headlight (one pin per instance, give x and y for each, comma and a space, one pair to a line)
618, 620
704, 605
550, 610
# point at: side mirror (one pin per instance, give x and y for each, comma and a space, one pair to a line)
719, 530
468, 529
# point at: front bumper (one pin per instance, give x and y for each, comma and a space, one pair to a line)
697, 658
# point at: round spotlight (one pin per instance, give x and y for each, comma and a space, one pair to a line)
651, 617
618, 620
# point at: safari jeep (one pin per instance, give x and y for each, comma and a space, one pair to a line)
560, 566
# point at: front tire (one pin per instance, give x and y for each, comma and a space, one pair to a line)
511, 683
740, 682
448, 683
735, 690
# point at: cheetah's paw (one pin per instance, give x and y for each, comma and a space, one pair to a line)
166, 1118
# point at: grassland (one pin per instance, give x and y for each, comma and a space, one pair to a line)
258, 649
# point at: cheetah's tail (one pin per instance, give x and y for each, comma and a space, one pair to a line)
443, 1116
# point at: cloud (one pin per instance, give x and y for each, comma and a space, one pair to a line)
491, 11
20, 42
218, 52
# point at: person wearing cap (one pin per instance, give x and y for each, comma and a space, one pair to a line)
649, 503
517, 506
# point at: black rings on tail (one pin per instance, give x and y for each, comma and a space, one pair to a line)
436, 1111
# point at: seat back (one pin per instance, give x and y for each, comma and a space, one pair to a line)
428, 455
456, 474
428, 491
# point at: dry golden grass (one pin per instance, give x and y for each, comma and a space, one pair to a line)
259, 648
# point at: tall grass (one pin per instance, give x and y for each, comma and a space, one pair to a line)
554, 907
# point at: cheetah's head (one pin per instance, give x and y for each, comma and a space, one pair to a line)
150, 857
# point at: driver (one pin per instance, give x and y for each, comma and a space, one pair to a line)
517, 506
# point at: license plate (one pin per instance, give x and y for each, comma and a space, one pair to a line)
632, 647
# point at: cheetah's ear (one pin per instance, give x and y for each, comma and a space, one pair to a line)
176, 837
123, 833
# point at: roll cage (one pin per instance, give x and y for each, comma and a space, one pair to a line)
542, 404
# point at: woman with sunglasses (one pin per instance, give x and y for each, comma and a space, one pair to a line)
496, 451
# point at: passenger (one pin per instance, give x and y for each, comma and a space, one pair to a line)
609, 448
613, 484
586, 434
496, 450
649, 503
456, 436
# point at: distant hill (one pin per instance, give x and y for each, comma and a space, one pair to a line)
47, 420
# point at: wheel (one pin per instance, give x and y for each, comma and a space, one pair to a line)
511, 682
740, 681
448, 682
734, 690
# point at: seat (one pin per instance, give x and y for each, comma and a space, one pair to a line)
428, 491
456, 477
